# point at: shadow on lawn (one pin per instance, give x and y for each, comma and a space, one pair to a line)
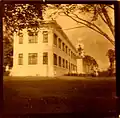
60, 96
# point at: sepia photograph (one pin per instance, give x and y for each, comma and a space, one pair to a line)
59, 58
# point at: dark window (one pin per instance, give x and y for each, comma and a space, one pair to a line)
20, 38
63, 63
32, 36
66, 49
71, 67
59, 61
32, 58
20, 59
45, 58
55, 39
66, 64
55, 59
63, 46
45, 36
59, 43
69, 52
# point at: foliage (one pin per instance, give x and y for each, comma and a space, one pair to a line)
16, 17
94, 13
111, 57
90, 61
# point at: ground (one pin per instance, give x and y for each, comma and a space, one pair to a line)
59, 95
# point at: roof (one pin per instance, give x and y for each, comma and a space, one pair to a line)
58, 27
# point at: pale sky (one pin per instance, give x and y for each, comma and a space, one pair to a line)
94, 44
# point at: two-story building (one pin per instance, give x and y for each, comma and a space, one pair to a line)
45, 51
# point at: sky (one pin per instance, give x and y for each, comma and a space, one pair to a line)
95, 45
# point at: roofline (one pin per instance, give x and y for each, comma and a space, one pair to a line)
60, 29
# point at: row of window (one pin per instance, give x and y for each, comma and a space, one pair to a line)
58, 42
57, 60
33, 37
32, 58
61, 62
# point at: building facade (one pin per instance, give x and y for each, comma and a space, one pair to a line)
46, 51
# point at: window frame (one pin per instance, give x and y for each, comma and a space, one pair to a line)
45, 58
32, 38
32, 61
20, 59
45, 36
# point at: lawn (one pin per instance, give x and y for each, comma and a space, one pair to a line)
57, 95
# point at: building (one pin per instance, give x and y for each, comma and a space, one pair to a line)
46, 51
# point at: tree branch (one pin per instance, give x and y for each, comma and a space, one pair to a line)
109, 23
88, 24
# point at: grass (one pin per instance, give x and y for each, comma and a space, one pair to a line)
57, 95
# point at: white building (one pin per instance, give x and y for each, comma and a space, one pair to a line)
46, 51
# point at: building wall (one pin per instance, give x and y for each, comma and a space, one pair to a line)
59, 52
40, 69
25, 48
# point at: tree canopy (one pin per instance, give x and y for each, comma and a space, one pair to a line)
93, 13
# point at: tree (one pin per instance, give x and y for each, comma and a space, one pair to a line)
90, 63
16, 17
94, 12
111, 57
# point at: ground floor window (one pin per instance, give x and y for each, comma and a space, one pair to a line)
66, 64
55, 59
32, 58
59, 61
63, 63
20, 59
45, 58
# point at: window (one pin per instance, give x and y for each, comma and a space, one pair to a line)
45, 58
66, 64
63, 45
66, 49
32, 58
20, 38
55, 39
59, 61
59, 43
69, 52
20, 59
74, 67
32, 36
55, 59
63, 63
45, 36
71, 67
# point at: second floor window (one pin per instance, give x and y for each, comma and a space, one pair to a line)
55, 39
45, 58
69, 52
66, 49
20, 38
32, 58
20, 59
45, 36
59, 41
32, 37
63, 46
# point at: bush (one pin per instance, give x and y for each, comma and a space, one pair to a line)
6, 73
